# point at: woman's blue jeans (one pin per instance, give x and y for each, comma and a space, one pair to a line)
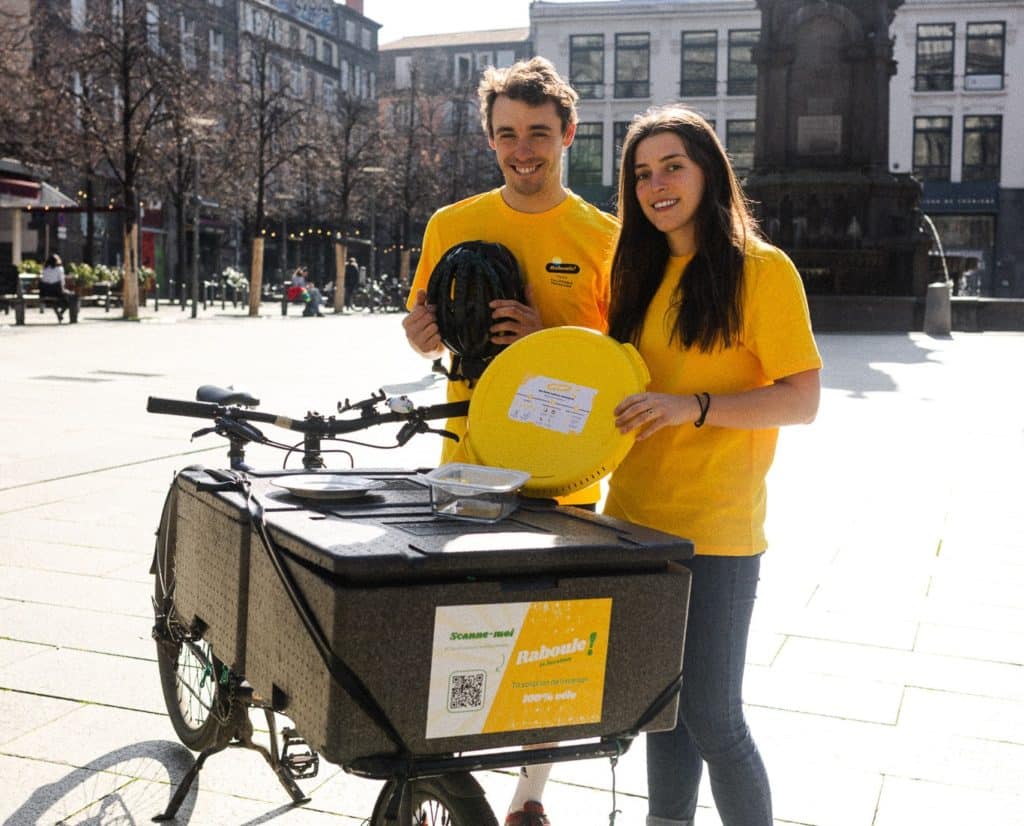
712, 728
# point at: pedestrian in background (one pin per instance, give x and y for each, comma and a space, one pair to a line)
53, 285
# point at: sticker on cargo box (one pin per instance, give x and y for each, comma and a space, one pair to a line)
515, 666
552, 404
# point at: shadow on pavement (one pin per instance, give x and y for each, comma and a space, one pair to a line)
122, 786
849, 369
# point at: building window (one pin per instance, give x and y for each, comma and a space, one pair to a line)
742, 69
403, 72
153, 27
350, 31
346, 78
327, 53
188, 42
699, 74
934, 72
585, 155
739, 143
310, 46
367, 38
619, 129
586, 64
463, 69
986, 44
506, 57
632, 65
933, 142
330, 95
78, 15
983, 145
216, 54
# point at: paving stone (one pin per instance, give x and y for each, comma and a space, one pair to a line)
74, 591
23, 713
916, 668
1004, 645
963, 714
846, 697
914, 801
72, 559
87, 677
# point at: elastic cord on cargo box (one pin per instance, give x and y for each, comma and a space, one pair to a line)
338, 668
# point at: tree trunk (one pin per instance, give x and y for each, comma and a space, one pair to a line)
256, 277
403, 268
340, 257
130, 283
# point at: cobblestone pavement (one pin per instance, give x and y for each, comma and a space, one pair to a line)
886, 673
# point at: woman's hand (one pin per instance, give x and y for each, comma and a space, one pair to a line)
647, 413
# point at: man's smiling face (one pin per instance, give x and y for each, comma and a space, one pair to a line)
528, 141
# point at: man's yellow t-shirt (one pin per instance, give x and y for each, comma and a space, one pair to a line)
564, 256
708, 484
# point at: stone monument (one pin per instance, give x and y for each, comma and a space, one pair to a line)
821, 181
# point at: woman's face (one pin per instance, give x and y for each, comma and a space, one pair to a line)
669, 187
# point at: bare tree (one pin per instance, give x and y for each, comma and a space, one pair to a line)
267, 131
352, 144
114, 86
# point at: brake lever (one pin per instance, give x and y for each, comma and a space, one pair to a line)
205, 431
227, 426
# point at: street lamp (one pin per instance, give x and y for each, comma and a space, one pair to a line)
197, 123
373, 170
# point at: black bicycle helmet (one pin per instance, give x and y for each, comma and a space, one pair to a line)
465, 281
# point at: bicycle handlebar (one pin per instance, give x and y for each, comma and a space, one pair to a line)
313, 425
178, 407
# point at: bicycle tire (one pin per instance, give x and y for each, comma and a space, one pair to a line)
199, 707
449, 800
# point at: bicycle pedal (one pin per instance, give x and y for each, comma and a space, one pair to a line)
296, 755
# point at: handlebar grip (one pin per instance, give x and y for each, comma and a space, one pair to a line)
177, 407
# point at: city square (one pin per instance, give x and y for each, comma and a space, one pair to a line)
884, 674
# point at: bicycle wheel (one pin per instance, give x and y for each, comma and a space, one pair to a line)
449, 800
361, 300
199, 706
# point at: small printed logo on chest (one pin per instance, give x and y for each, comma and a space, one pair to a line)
557, 265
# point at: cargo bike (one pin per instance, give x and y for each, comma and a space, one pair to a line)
402, 644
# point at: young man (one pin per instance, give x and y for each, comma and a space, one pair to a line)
562, 244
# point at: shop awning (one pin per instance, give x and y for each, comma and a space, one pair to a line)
15, 192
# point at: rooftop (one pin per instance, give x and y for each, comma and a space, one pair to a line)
477, 38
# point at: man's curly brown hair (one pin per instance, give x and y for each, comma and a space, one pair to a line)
532, 81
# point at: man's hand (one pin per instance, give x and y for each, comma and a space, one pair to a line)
421, 328
513, 320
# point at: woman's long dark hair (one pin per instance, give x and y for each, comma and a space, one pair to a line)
709, 297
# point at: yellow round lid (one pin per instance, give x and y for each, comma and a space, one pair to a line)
544, 405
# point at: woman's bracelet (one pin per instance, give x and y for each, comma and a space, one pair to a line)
704, 402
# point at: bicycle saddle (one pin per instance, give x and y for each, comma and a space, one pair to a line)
225, 395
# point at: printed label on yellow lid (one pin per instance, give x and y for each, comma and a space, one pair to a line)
552, 404
515, 666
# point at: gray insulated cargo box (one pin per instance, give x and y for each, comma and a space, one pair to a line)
553, 624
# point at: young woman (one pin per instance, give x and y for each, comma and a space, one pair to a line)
721, 319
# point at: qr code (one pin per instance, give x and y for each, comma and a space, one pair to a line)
466, 690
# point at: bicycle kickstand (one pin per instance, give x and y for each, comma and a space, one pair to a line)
186, 782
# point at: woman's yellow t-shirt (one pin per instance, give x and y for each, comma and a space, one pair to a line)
708, 484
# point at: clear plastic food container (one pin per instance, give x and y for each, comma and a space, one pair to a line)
476, 493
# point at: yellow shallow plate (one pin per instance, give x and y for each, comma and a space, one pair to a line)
544, 405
